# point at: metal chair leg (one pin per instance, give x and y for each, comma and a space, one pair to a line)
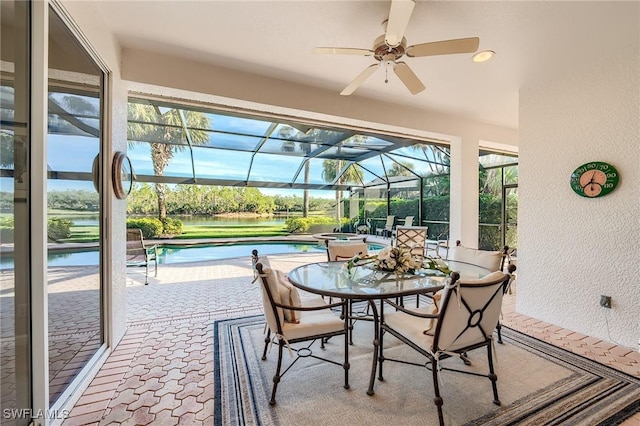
276, 377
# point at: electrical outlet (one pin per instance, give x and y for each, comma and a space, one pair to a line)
605, 301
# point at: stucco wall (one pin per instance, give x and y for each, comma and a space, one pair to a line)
574, 249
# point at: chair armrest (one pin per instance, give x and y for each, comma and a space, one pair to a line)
151, 253
412, 313
310, 308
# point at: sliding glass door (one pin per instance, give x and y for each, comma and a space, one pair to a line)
73, 282
74, 207
15, 184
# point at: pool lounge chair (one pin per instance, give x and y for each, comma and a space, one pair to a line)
139, 254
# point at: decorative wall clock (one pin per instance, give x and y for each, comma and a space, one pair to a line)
122, 175
594, 179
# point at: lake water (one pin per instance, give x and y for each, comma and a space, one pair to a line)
90, 220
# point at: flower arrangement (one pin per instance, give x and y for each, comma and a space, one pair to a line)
390, 259
398, 260
437, 264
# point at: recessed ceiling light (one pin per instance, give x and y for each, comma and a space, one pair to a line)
483, 56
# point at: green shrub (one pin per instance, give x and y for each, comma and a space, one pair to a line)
58, 228
6, 222
172, 226
304, 224
150, 227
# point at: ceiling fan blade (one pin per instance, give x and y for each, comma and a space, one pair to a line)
343, 51
408, 77
444, 47
399, 16
359, 80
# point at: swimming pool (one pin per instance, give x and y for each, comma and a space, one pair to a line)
184, 254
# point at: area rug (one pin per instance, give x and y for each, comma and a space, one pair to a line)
537, 383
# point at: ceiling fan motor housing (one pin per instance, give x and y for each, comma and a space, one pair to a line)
383, 52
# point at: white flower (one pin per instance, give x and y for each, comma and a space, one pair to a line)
385, 253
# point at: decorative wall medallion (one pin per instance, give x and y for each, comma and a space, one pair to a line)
122, 172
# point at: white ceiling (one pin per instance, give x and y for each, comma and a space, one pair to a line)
532, 40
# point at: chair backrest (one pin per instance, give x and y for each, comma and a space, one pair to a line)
135, 244
491, 260
408, 221
389, 224
270, 293
469, 312
344, 250
412, 237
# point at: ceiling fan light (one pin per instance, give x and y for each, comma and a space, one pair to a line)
483, 56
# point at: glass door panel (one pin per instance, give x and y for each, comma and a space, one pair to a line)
15, 309
73, 207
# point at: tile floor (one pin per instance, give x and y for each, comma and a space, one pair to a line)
161, 373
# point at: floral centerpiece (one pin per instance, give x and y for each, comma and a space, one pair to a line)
398, 260
437, 264
389, 259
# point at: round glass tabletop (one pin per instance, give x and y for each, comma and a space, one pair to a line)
363, 282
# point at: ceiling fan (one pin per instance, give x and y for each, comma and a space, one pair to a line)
391, 46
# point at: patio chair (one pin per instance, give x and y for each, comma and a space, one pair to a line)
408, 221
467, 315
388, 227
315, 322
139, 254
512, 259
413, 238
491, 260
345, 250
441, 243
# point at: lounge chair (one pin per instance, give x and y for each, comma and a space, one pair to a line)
139, 254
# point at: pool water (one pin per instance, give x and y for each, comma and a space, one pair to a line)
177, 254
185, 254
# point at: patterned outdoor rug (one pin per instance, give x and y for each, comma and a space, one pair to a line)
537, 383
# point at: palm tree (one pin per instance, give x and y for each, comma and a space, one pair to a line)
437, 182
163, 131
290, 146
401, 168
330, 170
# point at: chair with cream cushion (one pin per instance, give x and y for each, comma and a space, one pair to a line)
413, 238
491, 260
294, 322
388, 227
408, 221
345, 250
467, 315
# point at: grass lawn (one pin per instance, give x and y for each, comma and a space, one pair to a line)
83, 234
233, 231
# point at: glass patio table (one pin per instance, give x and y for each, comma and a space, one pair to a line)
333, 279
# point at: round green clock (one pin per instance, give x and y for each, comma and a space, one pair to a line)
594, 179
